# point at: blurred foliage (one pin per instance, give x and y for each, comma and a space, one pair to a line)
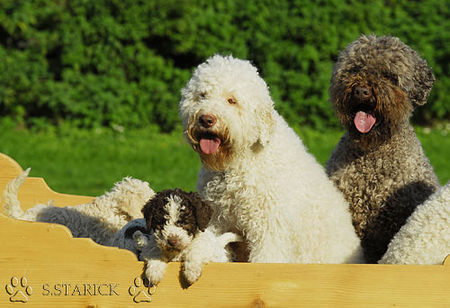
122, 63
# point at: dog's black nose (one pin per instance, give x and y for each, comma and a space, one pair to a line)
207, 120
173, 241
362, 93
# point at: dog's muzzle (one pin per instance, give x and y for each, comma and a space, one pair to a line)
363, 111
203, 136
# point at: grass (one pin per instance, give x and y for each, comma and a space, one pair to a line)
90, 162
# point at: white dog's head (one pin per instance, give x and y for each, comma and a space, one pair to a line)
226, 110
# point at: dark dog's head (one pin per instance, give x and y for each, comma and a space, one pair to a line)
376, 84
176, 217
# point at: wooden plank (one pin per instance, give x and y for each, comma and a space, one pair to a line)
42, 265
9, 168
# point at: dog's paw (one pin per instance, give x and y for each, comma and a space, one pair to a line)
192, 271
155, 271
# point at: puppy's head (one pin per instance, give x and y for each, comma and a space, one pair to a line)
176, 217
376, 84
226, 110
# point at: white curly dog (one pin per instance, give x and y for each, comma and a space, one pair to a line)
98, 220
425, 237
257, 174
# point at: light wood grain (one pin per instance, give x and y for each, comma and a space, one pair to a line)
51, 260
9, 168
42, 265
54, 263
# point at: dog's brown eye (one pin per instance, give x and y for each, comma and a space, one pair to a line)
202, 95
231, 101
393, 78
354, 70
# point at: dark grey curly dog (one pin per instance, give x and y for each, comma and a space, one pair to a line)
379, 163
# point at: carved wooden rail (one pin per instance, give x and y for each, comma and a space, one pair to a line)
41, 265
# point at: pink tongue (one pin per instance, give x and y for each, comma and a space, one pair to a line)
209, 146
364, 121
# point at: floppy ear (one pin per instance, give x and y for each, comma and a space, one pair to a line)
203, 211
423, 80
149, 211
266, 125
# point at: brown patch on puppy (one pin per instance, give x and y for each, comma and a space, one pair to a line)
152, 210
203, 210
194, 213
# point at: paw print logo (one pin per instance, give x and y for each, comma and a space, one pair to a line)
19, 290
141, 296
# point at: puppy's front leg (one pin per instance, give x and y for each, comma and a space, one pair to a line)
152, 256
155, 270
192, 270
200, 252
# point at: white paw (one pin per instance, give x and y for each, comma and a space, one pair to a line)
192, 271
155, 271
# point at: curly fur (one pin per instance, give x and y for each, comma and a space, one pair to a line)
425, 237
177, 221
258, 176
194, 216
383, 173
98, 220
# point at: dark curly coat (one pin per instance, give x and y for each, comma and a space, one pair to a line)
194, 215
379, 163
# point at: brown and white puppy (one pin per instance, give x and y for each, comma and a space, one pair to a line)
379, 163
176, 219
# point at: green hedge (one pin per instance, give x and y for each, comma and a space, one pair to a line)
123, 62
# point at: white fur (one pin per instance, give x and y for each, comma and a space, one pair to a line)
199, 254
173, 208
98, 220
271, 189
205, 247
12, 203
425, 237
